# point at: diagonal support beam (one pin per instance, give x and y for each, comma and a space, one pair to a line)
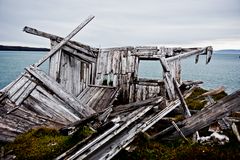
64, 41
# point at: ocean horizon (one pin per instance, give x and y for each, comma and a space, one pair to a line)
223, 70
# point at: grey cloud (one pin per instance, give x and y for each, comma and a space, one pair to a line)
124, 22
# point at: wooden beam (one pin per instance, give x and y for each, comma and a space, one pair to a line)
206, 117
64, 41
185, 55
75, 106
167, 78
76, 45
179, 131
183, 102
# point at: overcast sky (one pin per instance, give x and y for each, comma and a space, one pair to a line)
186, 23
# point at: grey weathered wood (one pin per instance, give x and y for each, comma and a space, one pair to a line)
55, 104
179, 131
84, 57
64, 41
235, 131
185, 55
20, 91
132, 106
122, 139
209, 51
219, 110
26, 93
73, 44
75, 106
183, 102
168, 79
17, 86
101, 86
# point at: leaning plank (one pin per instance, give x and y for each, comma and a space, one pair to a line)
183, 102
124, 138
179, 131
221, 109
75, 106
64, 41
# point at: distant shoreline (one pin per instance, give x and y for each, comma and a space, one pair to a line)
21, 48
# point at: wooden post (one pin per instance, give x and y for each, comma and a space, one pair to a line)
167, 78
183, 103
64, 41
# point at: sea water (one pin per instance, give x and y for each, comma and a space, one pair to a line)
223, 70
12, 64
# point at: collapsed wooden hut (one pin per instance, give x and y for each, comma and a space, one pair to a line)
83, 82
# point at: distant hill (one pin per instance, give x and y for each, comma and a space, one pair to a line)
228, 51
21, 48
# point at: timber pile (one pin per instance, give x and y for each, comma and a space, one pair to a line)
82, 85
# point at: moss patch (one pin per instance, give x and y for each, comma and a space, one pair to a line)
44, 143
196, 103
180, 150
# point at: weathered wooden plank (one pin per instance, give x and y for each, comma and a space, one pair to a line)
221, 109
49, 103
74, 52
95, 98
185, 55
135, 105
83, 92
100, 141
20, 91
76, 77
26, 93
99, 106
93, 73
45, 112
89, 95
209, 54
168, 79
63, 42
17, 86
95, 104
183, 102
105, 100
75, 106
122, 139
